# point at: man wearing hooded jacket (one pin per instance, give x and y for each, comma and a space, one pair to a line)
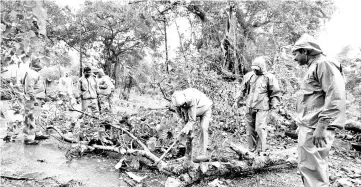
320, 110
189, 104
261, 92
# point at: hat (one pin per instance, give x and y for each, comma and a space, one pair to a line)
259, 63
309, 43
178, 98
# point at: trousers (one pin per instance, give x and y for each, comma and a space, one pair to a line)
313, 161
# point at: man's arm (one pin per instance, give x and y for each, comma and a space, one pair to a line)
333, 85
192, 115
274, 92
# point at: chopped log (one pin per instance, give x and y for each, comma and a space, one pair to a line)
243, 152
284, 158
354, 126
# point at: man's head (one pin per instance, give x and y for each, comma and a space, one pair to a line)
178, 99
66, 74
305, 48
259, 65
87, 72
36, 65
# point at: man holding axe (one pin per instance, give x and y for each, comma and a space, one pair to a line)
190, 104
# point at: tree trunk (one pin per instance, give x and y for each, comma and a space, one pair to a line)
117, 74
166, 46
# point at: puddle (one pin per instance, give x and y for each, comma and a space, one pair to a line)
47, 160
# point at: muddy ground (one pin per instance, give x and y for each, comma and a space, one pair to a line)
45, 164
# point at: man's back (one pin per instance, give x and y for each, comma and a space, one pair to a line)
88, 87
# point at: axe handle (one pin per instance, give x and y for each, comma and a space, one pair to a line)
169, 148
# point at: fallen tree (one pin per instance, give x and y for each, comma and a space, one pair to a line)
246, 162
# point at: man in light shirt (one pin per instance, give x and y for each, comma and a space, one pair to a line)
190, 104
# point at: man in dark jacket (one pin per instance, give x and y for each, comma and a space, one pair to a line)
321, 109
261, 92
89, 91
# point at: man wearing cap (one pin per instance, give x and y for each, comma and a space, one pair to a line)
34, 89
106, 88
261, 92
320, 110
88, 89
190, 104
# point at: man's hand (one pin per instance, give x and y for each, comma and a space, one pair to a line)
187, 128
319, 136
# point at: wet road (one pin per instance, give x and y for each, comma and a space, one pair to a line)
48, 160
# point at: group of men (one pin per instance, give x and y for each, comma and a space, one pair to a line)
320, 105
321, 108
95, 88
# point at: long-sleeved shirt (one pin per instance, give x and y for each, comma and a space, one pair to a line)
88, 87
261, 91
194, 105
322, 96
34, 84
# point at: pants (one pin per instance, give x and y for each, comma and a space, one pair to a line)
205, 114
90, 105
32, 112
256, 129
313, 161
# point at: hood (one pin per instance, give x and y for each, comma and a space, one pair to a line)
178, 99
309, 43
260, 64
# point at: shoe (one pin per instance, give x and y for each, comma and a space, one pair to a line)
42, 137
31, 142
204, 167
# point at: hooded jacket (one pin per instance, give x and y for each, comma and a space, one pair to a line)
323, 92
262, 91
190, 102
